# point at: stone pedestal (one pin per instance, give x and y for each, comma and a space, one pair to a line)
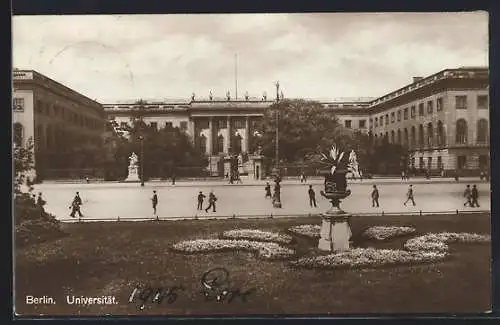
335, 233
227, 166
255, 170
335, 226
133, 174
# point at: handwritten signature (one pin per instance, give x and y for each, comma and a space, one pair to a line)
215, 286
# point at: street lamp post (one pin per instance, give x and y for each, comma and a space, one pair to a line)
277, 179
141, 138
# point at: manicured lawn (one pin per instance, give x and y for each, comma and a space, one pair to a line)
98, 259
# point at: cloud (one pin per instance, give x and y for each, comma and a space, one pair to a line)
313, 55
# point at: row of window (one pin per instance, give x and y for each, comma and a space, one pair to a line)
407, 112
461, 162
361, 124
461, 134
236, 145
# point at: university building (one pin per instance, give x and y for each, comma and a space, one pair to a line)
443, 119
57, 118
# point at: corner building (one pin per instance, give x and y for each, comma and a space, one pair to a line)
57, 118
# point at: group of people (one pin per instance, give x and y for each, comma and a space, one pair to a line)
471, 196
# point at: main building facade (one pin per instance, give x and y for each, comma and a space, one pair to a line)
443, 119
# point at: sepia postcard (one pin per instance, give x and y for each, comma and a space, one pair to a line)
251, 164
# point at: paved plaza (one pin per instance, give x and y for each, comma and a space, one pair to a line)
130, 200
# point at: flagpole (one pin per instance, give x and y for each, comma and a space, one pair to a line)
236, 76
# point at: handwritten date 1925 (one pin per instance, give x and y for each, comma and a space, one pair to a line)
154, 295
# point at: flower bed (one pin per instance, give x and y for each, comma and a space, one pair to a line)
312, 231
263, 250
369, 257
384, 233
259, 235
438, 242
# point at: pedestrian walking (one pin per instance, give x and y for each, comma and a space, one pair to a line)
211, 201
403, 176
375, 196
467, 196
87, 179
474, 196
312, 197
302, 178
201, 197
154, 200
75, 206
409, 196
268, 190
173, 178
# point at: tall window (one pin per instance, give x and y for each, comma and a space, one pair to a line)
183, 125
461, 102
482, 131
439, 162
220, 144
461, 132
405, 113
421, 109
482, 102
239, 124
154, 125
413, 136
382, 120
362, 124
399, 115
439, 104
399, 136
461, 162
18, 104
221, 124
430, 135
430, 107
429, 163
203, 143
405, 137
413, 114
421, 135
440, 134
393, 117
386, 119
348, 124
18, 134
376, 121
421, 162
392, 137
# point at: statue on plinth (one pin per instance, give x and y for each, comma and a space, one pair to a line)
133, 168
353, 165
335, 228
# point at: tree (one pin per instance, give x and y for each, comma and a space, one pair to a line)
305, 128
23, 166
389, 158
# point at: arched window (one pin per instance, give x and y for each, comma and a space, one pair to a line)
18, 134
420, 135
392, 137
461, 131
386, 137
440, 134
430, 135
482, 131
220, 144
405, 137
203, 143
399, 136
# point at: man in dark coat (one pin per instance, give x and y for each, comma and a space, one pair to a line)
375, 196
312, 197
211, 201
154, 200
474, 196
201, 197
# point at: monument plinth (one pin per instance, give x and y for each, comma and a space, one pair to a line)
133, 169
335, 231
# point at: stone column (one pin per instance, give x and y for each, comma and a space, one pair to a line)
247, 135
191, 130
210, 140
227, 143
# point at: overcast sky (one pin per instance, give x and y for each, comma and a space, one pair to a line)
317, 56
